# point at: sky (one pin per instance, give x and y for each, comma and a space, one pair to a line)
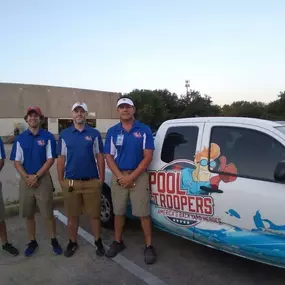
229, 49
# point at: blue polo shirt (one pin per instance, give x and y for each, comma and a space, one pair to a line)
80, 149
33, 150
2, 150
128, 147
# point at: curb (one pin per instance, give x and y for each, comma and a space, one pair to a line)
13, 210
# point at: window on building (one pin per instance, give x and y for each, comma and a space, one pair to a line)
66, 123
63, 124
179, 143
45, 124
91, 122
255, 154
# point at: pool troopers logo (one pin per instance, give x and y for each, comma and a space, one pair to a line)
179, 189
174, 201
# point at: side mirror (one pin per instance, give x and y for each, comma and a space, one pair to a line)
279, 173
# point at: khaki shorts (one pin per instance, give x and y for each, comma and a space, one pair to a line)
85, 197
139, 197
42, 197
2, 208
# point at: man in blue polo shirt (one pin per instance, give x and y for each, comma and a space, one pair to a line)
80, 176
129, 149
3, 230
33, 153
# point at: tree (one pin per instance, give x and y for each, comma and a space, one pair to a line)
150, 108
156, 106
245, 109
193, 104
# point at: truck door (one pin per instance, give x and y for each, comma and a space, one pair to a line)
248, 202
171, 184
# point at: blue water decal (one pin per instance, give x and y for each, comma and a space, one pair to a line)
258, 221
274, 227
233, 213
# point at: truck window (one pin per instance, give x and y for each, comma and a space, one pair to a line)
255, 154
179, 143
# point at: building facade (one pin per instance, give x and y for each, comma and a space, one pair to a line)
55, 103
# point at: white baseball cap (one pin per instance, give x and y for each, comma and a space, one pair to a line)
125, 101
80, 104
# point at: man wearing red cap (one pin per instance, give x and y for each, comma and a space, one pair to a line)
33, 153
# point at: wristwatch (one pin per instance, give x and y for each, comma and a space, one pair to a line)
37, 176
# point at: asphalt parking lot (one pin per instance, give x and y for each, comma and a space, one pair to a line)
179, 260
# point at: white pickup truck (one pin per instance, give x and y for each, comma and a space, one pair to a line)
219, 181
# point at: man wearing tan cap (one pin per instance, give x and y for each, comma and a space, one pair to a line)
81, 173
33, 153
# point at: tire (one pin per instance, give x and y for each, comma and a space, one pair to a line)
107, 214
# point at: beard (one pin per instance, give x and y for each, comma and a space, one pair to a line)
80, 121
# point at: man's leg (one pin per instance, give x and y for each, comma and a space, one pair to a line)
73, 202
31, 227
120, 197
5, 244
92, 207
140, 199
27, 211
146, 226
44, 197
119, 225
3, 230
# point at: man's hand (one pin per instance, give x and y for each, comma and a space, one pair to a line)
126, 181
31, 180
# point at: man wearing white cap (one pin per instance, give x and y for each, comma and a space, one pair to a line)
81, 176
129, 149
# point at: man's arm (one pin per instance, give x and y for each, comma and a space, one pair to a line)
101, 166
60, 168
19, 167
148, 154
99, 154
113, 166
50, 155
2, 155
17, 157
61, 157
110, 152
45, 168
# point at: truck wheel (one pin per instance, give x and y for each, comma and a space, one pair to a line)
107, 215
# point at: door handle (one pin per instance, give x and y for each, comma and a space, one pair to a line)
211, 190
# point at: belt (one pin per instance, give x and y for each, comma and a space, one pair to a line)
81, 179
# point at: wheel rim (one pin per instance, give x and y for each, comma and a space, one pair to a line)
105, 209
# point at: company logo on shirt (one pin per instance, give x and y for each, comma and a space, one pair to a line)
88, 138
41, 142
137, 134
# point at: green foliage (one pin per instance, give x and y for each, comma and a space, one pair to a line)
156, 106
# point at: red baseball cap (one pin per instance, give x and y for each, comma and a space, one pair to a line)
34, 109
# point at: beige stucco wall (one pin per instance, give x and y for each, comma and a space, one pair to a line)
53, 125
7, 125
55, 102
104, 124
